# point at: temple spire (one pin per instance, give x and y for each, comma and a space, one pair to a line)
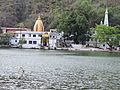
38, 27
39, 17
106, 20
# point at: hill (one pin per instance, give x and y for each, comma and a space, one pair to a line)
14, 12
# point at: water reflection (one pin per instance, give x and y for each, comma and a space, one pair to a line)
43, 69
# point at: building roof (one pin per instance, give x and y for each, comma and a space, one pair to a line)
7, 28
30, 32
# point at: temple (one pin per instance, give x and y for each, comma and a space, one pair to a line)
38, 27
96, 43
38, 38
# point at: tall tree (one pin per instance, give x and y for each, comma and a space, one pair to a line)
20, 10
76, 20
108, 34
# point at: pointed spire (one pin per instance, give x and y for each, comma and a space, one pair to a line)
39, 17
106, 22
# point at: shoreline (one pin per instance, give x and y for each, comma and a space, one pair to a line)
67, 49
92, 49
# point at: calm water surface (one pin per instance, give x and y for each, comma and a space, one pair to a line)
61, 70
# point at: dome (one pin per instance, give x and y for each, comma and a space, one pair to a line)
38, 27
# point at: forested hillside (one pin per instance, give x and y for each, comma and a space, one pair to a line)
14, 12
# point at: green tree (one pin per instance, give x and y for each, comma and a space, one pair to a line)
13, 12
21, 42
75, 21
5, 39
114, 15
20, 10
108, 34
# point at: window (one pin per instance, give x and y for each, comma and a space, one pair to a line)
23, 35
25, 42
34, 42
15, 40
13, 35
29, 35
16, 35
30, 42
34, 35
103, 45
39, 35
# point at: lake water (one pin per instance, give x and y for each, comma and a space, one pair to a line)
61, 70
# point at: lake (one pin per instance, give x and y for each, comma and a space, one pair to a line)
50, 69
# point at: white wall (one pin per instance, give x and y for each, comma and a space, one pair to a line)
52, 43
28, 36
53, 36
104, 46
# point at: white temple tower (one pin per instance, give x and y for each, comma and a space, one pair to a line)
106, 21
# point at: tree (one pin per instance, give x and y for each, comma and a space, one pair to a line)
20, 10
75, 21
108, 34
5, 39
13, 12
114, 15
21, 42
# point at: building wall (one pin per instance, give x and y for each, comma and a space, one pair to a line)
34, 39
53, 37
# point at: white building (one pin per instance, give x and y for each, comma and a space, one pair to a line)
35, 39
53, 37
32, 39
